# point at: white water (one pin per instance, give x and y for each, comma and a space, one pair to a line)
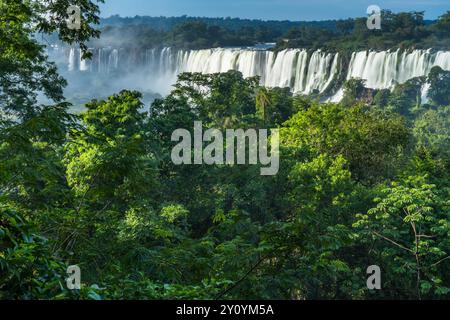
84, 64
302, 71
288, 68
382, 70
71, 65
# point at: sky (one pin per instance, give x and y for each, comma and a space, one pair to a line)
268, 9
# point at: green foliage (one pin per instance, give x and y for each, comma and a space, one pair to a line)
354, 90
52, 17
196, 32
439, 86
442, 27
28, 268
274, 106
24, 70
432, 130
143, 228
407, 97
198, 35
399, 30
363, 182
413, 221
371, 140
109, 157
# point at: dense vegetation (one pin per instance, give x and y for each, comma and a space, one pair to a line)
168, 23
402, 30
362, 182
189, 35
193, 32
199, 32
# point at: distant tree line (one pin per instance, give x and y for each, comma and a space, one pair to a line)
168, 23
402, 30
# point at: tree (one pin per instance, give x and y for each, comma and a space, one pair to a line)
262, 103
443, 25
30, 131
110, 160
432, 130
204, 93
24, 69
32, 183
407, 97
408, 228
100, 190
382, 97
28, 267
316, 233
274, 105
345, 26
439, 91
354, 90
370, 140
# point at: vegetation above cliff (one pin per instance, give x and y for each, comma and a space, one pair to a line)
402, 30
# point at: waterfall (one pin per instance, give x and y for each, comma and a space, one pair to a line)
72, 66
442, 59
287, 68
280, 69
113, 60
150, 59
424, 93
84, 64
321, 71
382, 70
303, 71
101, 65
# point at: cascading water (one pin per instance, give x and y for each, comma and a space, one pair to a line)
113, 60
72, 66
288, 68
382, 70
301, 70
84, 64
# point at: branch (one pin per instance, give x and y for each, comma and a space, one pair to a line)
240, 280
392, 241
440, 261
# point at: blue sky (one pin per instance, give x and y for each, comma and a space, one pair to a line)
269, 9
